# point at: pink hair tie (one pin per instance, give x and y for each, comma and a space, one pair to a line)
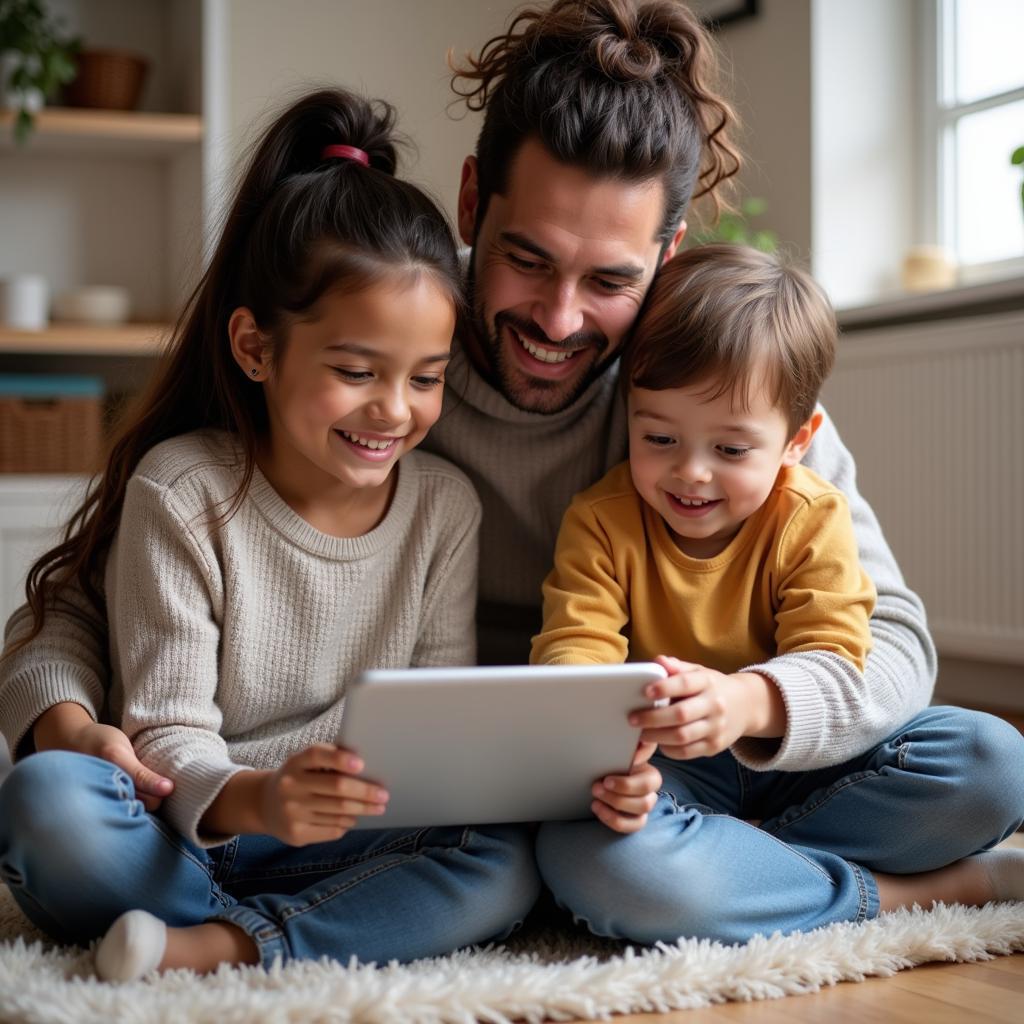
346, 153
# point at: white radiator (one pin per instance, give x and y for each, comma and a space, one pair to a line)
934, 415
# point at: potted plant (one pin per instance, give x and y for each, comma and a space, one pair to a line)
734, 227
1017, 159
35, 59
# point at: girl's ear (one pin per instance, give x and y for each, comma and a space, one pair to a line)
801, 440
469, 195
248, 345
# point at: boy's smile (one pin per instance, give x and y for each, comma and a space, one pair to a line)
706, 464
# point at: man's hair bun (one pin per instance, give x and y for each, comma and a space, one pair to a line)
626, 60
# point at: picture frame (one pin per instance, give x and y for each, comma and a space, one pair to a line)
716, 13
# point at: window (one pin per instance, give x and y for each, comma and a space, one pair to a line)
977, 80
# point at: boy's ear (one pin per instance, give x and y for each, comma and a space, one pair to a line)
469, 195
248, 344
801, 440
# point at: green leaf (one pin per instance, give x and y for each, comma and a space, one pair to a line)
1017, 156
753, 206
22, 127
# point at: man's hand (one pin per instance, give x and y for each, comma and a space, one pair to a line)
315, 796
708, 711
623, 802
69, 726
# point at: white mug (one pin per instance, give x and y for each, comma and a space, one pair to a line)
24, 299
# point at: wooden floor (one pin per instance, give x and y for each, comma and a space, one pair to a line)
985, 993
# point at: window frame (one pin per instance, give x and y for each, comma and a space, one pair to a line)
937, 213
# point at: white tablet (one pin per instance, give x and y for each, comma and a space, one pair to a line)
467, 746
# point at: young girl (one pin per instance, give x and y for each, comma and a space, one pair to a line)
259, 545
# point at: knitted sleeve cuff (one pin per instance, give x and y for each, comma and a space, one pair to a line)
36, 689
196, 786
798, 748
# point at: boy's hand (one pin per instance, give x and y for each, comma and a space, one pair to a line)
707, 712
315, 797
623, 802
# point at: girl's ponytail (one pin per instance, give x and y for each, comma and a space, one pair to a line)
300, 225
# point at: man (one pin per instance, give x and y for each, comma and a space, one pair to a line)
600, 123
597, 117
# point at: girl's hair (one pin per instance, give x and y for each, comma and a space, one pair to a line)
721, 314
618, 88
300, 226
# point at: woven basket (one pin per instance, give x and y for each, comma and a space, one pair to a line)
107, 80
44, 432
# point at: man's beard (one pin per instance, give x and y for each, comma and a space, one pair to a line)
536, 395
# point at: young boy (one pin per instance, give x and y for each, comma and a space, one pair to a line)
713, 550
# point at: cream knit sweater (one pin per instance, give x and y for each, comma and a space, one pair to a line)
232, 647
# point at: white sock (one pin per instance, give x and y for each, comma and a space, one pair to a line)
1005, 870
133, 946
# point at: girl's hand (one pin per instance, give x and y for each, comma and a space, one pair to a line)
623, 802
707, 712
114, 746
315, 797
69, 726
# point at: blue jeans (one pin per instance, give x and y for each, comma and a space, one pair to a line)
948, 784
77, 850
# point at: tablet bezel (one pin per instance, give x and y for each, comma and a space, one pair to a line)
469, 746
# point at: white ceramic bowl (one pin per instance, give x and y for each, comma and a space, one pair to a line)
96, 304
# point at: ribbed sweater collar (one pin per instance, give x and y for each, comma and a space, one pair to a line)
389, 531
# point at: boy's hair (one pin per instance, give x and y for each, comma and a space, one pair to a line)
301, 225
616, 87
735, 317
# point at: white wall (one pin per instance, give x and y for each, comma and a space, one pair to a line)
864, 133
768, 61
392, 49
828, 92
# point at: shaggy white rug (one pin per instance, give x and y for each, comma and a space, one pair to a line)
546, 973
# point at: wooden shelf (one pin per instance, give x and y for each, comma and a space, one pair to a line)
117, 132
87, 339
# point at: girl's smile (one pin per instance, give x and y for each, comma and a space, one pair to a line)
356, 386
373, 447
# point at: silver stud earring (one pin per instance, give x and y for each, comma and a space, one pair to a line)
255, 372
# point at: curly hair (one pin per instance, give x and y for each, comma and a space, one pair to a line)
621, 89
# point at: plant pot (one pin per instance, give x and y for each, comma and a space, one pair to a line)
107, 80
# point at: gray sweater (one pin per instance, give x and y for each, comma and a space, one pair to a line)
526, 467
232, 647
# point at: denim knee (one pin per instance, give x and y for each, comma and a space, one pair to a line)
993, 772
616, 885
48, 809
505, 854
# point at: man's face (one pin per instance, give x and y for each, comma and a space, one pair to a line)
560, 266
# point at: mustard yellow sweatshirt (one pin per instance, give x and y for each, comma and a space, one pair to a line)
790, 580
